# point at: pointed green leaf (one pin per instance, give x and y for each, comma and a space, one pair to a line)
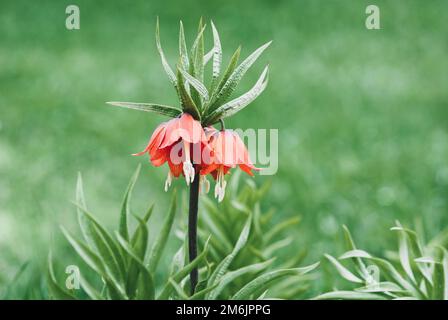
146, 288
145, 219
185, 271
82, 220
445, 274
217, 56
381, 287
188, 105
178, 288
208, 56
138, 248
231, 83
105, 244
349, 295
197, 53
125, 207
221, 269
55, 291
93, 261
229, 71
404, 254
350, 244
343, 271
160, 242
149, 107
391, 274
232, 275
236, 105
183, 52
199, 295
178, 260
89, 289
262, 282
355, 254
195, 83
165, 64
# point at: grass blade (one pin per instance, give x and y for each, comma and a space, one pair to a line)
160, 242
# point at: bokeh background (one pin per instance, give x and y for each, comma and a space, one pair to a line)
362, 116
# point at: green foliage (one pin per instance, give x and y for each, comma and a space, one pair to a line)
415, 271
241, 257
206, 104
126, 262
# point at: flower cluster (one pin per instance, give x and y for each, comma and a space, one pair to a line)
188, 142
191, 150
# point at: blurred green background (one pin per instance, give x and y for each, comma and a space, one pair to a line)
362, 114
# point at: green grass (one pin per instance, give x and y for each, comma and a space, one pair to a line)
361, 115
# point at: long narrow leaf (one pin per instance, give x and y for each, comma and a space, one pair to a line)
188, 105
262, 282
223, 266
93, 261
54, 289
185, 271
217, 56
125, 207
146, 287
232, 275
343, 271
160, 242
183, 52
149, 107
349, 295
198, 85
236, 105
165, 64
233, 80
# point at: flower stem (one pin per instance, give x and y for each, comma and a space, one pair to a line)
192, 229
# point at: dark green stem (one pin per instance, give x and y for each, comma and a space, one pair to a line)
192, 230
223, 126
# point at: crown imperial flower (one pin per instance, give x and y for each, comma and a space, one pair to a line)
191, 127
228, 151
176, 134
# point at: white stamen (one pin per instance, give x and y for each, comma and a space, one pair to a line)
188, 172
187, 165
220, 187
168, 181
205, 184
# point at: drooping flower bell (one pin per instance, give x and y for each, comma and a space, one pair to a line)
227, 151
172, 142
